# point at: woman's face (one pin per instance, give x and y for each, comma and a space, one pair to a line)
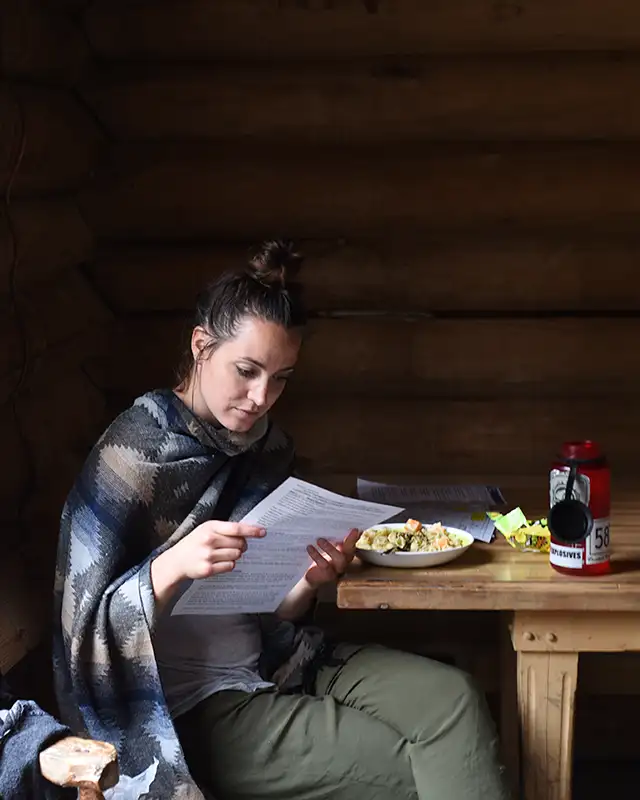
238, 381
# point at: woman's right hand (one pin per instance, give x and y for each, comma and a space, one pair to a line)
210, 549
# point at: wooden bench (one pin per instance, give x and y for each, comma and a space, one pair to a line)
89, 765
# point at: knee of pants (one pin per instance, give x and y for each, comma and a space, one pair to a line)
458, 697
462, 684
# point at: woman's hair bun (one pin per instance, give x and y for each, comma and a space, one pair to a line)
275, 264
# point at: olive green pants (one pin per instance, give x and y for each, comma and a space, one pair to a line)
384, 725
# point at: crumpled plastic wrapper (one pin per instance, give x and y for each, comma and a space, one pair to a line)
528, 536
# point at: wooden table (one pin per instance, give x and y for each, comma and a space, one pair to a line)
551, 620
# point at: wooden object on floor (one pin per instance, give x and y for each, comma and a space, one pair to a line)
88, 765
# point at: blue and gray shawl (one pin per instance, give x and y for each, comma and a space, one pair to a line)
156, 473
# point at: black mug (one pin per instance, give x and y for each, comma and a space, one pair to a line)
570, 521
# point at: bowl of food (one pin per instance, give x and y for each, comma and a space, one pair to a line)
412, 545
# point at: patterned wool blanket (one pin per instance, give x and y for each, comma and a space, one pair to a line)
156, 473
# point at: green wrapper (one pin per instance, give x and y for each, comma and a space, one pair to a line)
528, 536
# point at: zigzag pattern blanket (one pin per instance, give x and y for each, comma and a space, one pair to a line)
156, 474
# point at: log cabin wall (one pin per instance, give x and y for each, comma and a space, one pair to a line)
464, 177
49, 145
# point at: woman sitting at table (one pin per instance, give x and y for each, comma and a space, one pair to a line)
257, 706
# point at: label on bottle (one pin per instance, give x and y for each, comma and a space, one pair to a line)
569, 557
558, 486
598, 544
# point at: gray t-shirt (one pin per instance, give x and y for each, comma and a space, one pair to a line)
198, 655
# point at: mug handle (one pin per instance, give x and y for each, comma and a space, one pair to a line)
573, 472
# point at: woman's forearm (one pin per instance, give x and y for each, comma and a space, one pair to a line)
297, 602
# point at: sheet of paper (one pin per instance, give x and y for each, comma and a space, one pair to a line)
457, 506
473, 521
294, 516
405, 495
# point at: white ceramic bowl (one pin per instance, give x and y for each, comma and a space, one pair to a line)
415, 560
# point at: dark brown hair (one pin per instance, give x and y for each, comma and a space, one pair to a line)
265, 289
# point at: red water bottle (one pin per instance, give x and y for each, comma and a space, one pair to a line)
579, 505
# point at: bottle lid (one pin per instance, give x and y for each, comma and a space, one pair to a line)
584, 451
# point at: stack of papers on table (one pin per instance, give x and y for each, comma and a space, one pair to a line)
462, 506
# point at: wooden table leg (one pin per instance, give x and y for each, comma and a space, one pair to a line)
509, 727
548, 644
546, 699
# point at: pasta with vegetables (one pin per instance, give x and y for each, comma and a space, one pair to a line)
414, 537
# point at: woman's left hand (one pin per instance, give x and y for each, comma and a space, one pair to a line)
330, 560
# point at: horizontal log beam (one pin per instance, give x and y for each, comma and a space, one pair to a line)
418, 436
532, 97
177, 191
66, 6
394, 357
283, 29
415, 436
579, 272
